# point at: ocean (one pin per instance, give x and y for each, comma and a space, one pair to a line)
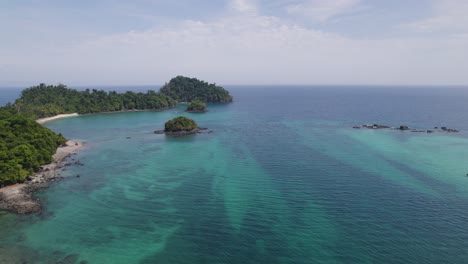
283, 178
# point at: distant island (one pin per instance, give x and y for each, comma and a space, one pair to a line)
196, 106
48, 100
183, 89
25, 145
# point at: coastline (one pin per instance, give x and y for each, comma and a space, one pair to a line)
47, 119
19, 198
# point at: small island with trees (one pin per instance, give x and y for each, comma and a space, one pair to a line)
196, 106
180, 126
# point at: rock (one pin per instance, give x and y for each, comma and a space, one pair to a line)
356, 127
443, 128
430, 131
159, 132
128, 137
78, 176
404, 127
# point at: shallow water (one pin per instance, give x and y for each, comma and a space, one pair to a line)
283, 179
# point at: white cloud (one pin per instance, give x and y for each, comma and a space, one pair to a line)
323, 10
244, 6
248, 50
448, 16
242, 47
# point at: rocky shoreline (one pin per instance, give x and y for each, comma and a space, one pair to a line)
199, 130
19, 198
406, 128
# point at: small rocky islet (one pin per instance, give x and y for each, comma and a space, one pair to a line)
181, 126
442, 129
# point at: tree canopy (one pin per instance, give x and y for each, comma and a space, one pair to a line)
24, 146
196, 106
49, 100
180, 124
184, 89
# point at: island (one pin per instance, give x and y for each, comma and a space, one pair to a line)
181, 126
25, 145
31, 155
183, 89
45, 101
196, 106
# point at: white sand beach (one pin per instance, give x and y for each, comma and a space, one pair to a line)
47, 119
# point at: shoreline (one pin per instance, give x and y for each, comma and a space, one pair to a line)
60, 116
18, 198
47, 119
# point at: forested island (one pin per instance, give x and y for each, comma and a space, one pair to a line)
26, 145
180, 124
50, 100
183, 89
196, 106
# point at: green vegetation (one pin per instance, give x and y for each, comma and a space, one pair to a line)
48, 100
24, 146
196, 106
180, 124
183, 89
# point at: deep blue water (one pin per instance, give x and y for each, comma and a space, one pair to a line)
283, 179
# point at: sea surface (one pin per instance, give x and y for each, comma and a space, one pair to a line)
283, 178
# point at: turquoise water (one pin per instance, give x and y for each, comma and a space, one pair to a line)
283, 179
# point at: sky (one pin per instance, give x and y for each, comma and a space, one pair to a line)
297, 42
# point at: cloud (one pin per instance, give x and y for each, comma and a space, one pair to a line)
250, 50
323, 10
244, 6
241, 47
448, 16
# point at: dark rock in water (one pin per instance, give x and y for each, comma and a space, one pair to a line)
404, 127
160, 132
78, 176
128, 137
356, 127
443, 128
375, 126
429, 131
436, 127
